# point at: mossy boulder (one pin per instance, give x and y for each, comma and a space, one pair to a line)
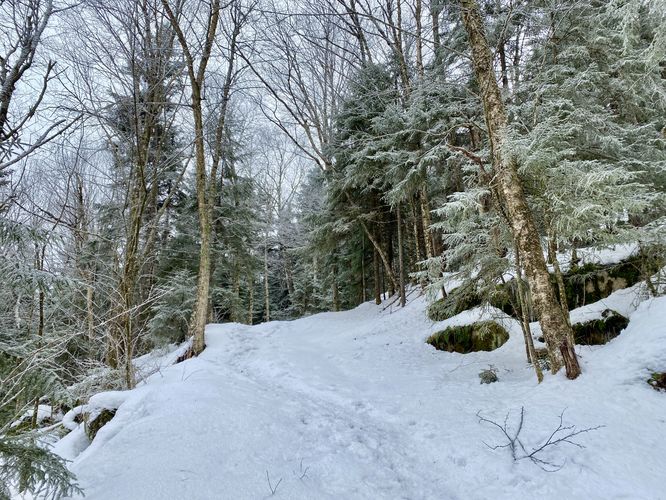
480, 336
658, 381
93, 422
600, 331
455, 303
593, 282
583, 285
502, 297
505, 298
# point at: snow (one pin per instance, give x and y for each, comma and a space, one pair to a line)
68, 421
157, 360
355, 405
73, 444
602, 255
109, 399
43, 412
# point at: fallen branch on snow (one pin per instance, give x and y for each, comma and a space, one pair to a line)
562, 434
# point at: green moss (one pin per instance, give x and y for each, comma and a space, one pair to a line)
658, 381
593, 282
481, 336
600, 331
505, 298
455, 303
94, 424
583, 285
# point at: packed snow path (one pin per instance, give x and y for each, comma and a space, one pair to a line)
355, 405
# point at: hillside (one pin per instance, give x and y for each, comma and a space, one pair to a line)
356, 405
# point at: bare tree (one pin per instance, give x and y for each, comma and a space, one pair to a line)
277, 181
22, 27
305, 66
131, 47
198, 52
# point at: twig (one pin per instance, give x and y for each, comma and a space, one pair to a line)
270, 486
561, 434
304, 472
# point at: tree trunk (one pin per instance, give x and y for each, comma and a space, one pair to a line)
122, 330
385, 260
90, 312
364, 296
401, 267
559, 278
376, 270
39, 265
388, 237
418, 234
556, 330
502, 57
200, 313
525, 321
205, 189
419, 38
250, 308
289, 276
428, 237
425, 221
435, 10
267, 297
236, 310
336, 293
562, 290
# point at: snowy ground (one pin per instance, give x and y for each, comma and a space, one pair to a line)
354, 405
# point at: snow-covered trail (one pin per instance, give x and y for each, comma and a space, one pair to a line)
355, 405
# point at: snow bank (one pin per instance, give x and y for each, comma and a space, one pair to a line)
603, 255
43, 412
157, 360
109, 399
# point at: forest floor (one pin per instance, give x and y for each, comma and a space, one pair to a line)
355, 405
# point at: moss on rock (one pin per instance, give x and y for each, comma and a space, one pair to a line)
583, 285
593, 282
94, 422
658, 381
600, 331
481, 336
455, 303
505, 298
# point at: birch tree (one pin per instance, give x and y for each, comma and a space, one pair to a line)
511, 194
